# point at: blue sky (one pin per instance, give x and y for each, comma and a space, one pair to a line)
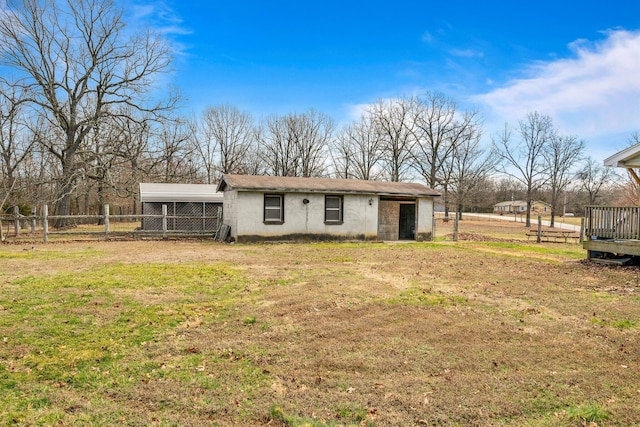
577, 61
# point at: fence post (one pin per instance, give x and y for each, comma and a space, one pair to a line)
433, 228
16, 216
106, 220
539, 237
33, 219
164, 221
582, 230
45, 223
455, 228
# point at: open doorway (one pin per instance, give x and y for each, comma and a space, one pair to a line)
407, 226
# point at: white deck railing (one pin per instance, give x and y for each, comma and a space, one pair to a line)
612, 222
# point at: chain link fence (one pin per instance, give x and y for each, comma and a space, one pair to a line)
489, 227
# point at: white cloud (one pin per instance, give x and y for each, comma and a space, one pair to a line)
594, 93
158, 15
467, 53
356, 111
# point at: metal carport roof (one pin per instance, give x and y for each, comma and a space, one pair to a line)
156, 192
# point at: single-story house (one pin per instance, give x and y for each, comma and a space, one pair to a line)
520, 207
200, 202
261, 208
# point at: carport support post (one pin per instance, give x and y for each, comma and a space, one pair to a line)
539, 237
106, 220
164, 221
45, 223
33, 220
433, 228
455, 228
16, 223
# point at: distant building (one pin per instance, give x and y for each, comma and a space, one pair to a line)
520, 207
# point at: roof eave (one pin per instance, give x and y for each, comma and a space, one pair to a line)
329, 191
627, 158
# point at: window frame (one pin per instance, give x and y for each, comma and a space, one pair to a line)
266, 208
339, 209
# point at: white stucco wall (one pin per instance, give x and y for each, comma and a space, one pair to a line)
424, 219
244, 211
230, 211
244, 214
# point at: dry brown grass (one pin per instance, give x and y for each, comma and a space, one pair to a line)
348, 334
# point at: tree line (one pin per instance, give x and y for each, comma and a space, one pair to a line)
82, 124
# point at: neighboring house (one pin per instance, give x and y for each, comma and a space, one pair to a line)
260, 208
520, 207
200, 202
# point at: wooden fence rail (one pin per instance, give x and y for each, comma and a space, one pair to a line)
107, 225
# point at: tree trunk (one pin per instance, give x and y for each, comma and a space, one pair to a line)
63, 207
101, 202
445, 199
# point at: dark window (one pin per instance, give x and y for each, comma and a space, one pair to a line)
274, 208
333, 209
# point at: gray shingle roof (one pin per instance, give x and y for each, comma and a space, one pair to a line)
323, 185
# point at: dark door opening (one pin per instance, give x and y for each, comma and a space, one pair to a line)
407, 230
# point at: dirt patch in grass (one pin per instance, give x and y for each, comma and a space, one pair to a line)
197, 333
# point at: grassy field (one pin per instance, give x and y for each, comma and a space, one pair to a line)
197, 333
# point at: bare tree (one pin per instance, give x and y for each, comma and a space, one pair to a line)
342, 153
592, 178
524, 159
117, 151
296, 144
204, 145
316, 132
395, 121
17, 139
76, 63
277, 147
223, 140
253, 163
134, 150
171, 152
439, 129
507, 188
561, 155
357, 151
470, 166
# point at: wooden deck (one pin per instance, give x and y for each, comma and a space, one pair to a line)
612, 231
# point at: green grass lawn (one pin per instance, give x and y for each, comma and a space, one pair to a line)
194, 333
